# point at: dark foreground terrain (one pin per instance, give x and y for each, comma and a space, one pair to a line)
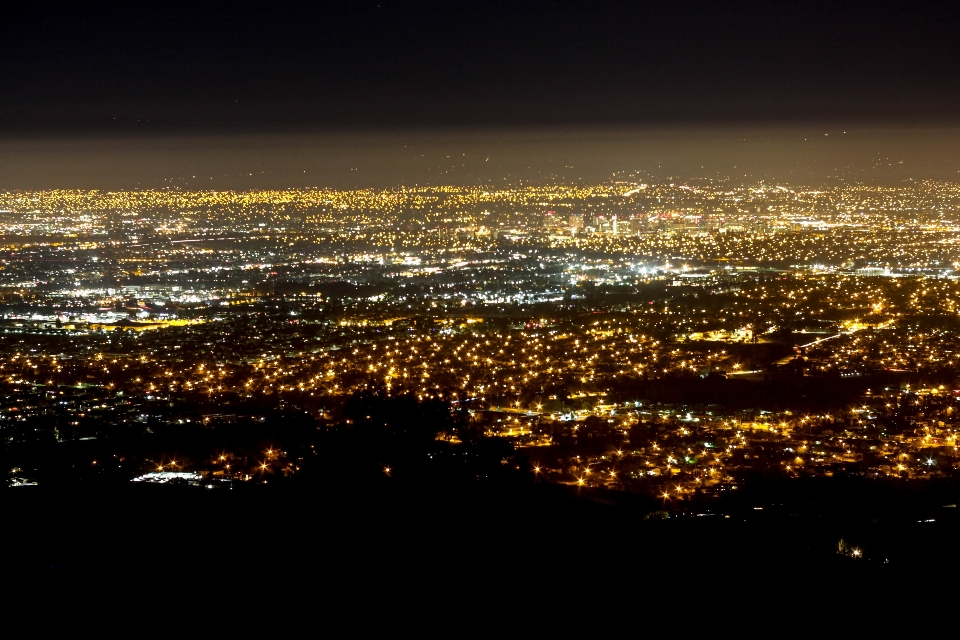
445, 550
454, 537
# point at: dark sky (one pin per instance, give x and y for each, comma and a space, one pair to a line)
384, 92
208, 67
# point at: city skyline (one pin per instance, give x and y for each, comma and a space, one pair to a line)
654, 303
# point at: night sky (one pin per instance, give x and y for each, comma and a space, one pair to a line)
260, 75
